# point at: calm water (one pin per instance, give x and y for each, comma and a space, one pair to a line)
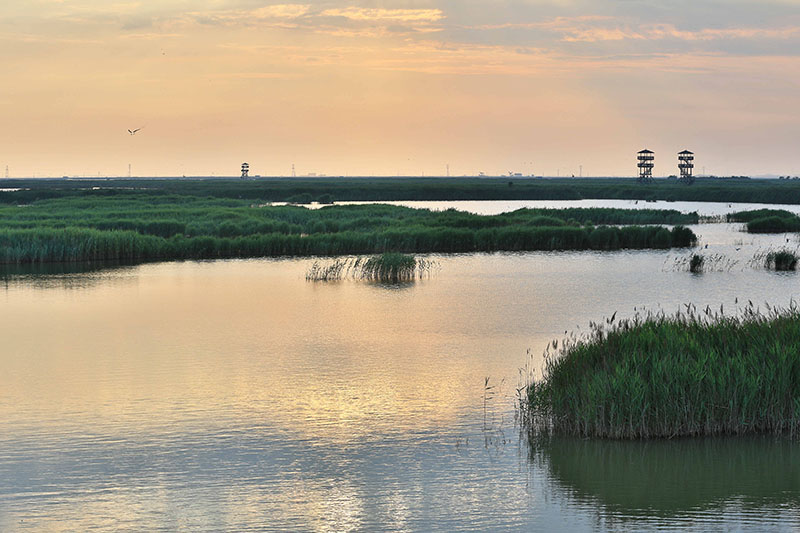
504, 206
235, 395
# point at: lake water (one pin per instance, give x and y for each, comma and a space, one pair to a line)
235, 395
504, 206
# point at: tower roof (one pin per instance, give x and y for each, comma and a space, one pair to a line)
646, 152
686, 152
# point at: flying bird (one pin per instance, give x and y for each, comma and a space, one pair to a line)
133, 132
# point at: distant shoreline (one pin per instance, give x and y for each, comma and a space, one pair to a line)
309, 189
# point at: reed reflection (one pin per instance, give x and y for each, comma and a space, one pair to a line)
671, 478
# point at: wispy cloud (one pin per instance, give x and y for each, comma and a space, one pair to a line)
241, 17
283, 11
668, 31
386, 15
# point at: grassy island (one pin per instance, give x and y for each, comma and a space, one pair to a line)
767, 220
661, 376
137, 226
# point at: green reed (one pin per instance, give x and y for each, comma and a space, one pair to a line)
696, 263
781, 260
662, 376
385, 268
767, 220
390, 267
146, 227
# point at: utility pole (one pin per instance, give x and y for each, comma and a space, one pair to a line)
129, 170
448, 171
6, 171
294, 174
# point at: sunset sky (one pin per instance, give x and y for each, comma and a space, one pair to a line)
398, 87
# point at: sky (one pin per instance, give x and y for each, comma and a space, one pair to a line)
549, 87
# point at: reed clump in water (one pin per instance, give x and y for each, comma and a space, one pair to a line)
696, 263
700, 263
390, 267
664, 376
331, 271
781, 260
385, 268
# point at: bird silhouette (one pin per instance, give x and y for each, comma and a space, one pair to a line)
133, 132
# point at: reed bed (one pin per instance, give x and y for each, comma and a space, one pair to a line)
140, 227
767, 220
384, 268
663, 376
390, 268
696, 263
781, 259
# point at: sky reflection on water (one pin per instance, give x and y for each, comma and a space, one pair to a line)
236, 395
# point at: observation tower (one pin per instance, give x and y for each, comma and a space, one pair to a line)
245, 170
646, 163
686, 166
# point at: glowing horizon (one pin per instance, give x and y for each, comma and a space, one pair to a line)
388, 88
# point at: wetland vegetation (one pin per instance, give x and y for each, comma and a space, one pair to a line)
781, 260
664, 376
137, 226
339, 189
767, 220
389, 267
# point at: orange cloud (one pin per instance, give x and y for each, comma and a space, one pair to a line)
386, 15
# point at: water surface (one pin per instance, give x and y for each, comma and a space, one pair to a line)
236, 395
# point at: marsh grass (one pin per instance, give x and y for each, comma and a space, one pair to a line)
696, 263
767, 220
699, 263
390, 267
335, 270
384, 268
780, 260
143, 228
663, 376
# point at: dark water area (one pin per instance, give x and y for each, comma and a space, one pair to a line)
676, 482
235, 395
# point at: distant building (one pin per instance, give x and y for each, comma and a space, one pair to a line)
245, 170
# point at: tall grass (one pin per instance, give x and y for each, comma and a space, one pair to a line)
384, 268
767, 220
390, 267
696, 263
699, 263
781, 260
143, 228
664, 376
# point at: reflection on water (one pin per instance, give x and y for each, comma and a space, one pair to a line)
234, 395
75, 275
663, 481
